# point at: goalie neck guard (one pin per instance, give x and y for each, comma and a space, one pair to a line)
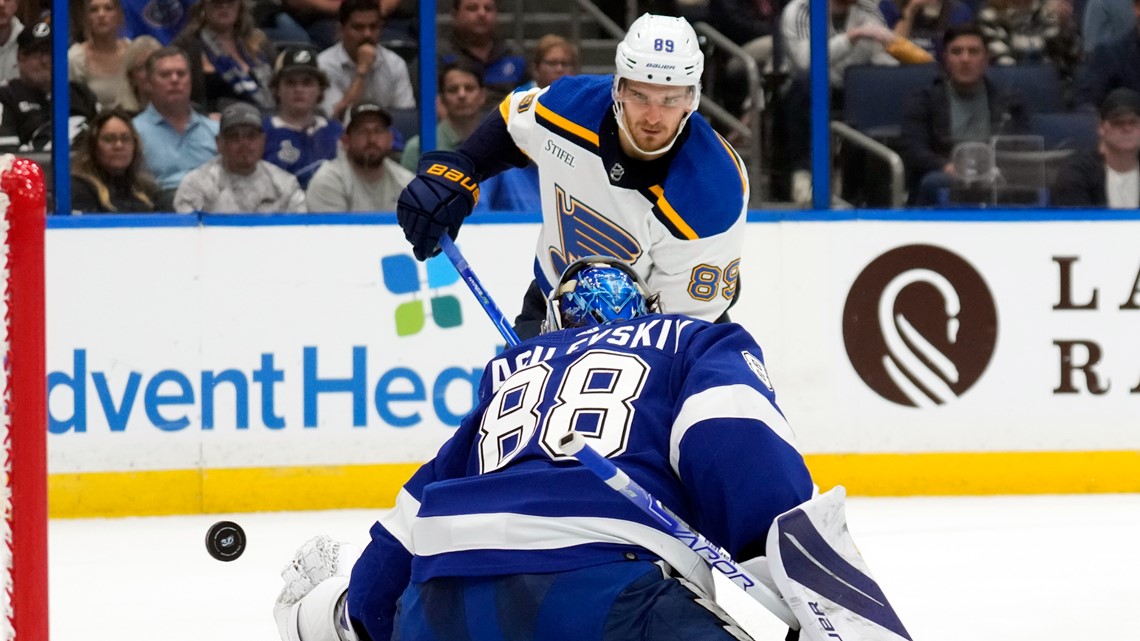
597, 290
661, 50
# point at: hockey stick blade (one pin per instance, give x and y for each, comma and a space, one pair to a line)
476, 287
573, 444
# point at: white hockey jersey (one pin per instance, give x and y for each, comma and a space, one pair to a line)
679, 220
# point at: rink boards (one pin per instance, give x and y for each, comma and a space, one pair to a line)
253, 363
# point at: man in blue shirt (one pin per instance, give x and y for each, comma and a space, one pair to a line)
176, 139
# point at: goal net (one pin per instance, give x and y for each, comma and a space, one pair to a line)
23, 422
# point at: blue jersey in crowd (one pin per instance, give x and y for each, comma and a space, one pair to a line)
301, 152
684, 406
162, 19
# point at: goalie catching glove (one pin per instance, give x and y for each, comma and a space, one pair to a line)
310, 606
442, 194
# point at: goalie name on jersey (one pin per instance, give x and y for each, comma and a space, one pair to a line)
663, 334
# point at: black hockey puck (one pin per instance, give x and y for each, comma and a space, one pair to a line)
225, 540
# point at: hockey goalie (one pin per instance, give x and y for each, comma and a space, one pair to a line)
504, 536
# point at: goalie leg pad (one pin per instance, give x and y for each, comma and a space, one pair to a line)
823, 577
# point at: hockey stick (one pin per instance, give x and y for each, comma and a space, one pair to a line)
573, 444
476, 287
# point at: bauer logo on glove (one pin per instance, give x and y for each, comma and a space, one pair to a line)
454, 175
437, 200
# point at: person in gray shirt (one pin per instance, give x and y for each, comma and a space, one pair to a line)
362, 177
238, 180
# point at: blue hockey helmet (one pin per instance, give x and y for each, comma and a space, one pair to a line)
597, 290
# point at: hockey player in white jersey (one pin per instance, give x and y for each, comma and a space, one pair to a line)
504, 537
626, 169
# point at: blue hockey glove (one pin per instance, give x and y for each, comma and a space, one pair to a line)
442, 194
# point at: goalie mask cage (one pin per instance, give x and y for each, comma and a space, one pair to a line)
23, 423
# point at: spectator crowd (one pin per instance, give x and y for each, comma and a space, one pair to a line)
228, 106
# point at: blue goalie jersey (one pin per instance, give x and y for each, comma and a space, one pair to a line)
685, 407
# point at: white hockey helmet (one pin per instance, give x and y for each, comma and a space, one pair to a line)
662, 50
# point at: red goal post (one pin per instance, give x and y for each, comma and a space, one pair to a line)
23, 423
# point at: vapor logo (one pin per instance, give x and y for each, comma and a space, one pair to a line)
919, 325
401, 274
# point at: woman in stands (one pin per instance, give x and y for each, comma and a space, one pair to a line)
554, 57
230, 59
98, 62
135, 62
108, 175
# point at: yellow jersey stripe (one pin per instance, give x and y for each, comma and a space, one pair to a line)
562, 123
672, 214
735, 161
505, 107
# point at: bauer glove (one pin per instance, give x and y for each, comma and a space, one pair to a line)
442, 194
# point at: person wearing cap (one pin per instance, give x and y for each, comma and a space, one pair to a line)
238, 180
297, 138
10, 28
363, 178
25, 101
1109, 176
961, 105
176, 139
359, 69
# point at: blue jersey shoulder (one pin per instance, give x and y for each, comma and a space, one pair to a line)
706, 183
577, 100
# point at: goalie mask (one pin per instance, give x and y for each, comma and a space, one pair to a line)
597, 290
661, 50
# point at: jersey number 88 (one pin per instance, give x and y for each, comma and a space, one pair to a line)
595, 398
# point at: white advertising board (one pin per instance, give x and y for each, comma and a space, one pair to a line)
264, 346
301, 347
1000, 336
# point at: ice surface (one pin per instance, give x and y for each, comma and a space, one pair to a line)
1041, 568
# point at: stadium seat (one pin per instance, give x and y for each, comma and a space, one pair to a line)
1039, 84
406, 121
874, 96
1066, 130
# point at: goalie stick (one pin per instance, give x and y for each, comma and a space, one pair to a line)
573, 444
812, 557
476, 287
